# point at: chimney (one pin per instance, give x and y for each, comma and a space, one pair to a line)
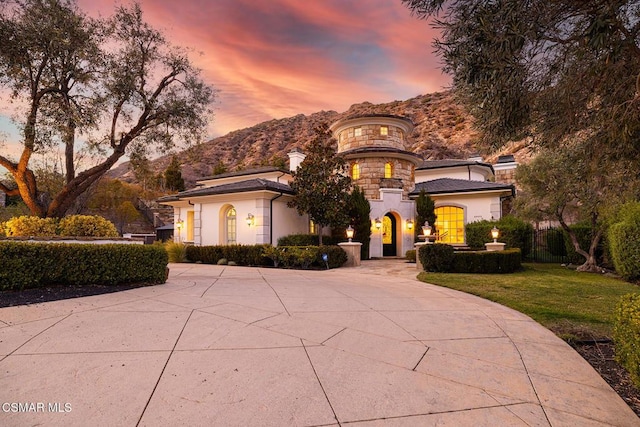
475, 157
295, 158
505, 169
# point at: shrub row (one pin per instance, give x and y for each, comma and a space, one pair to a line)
73, 225
626, 335
240, 254
33, 265
442, 258
309, 240
306, 256
624, 242
513, 231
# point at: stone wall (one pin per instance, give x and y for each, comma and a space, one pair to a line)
372, 172
370, 137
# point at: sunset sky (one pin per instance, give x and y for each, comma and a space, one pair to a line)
278, 58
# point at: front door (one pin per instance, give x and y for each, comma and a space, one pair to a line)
388, 235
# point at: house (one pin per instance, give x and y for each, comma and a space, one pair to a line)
251, 207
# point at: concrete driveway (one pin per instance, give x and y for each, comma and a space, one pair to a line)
237, 346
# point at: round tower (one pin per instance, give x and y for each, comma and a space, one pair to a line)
374, 147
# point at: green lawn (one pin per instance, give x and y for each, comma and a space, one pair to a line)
572, 304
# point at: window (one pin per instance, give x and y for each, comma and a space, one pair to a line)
450, 224
189, 226
357, 132
231, 225
355, 171
388, 170
384, 130
312, 227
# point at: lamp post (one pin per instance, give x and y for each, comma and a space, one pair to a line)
350, 232
426, 231
495, 233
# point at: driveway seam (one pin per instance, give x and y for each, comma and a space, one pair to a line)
320, 382
274, 291
35, 336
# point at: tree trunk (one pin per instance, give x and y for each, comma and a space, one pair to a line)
319, 235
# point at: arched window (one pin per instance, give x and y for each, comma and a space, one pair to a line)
388, 170
230, 222
450, 224
355, 171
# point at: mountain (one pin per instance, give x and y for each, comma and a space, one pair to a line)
444, 130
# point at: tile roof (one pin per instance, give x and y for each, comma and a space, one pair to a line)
450, 163
263, 169
450, 185
255, 184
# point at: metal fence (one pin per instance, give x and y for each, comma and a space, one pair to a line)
547, 245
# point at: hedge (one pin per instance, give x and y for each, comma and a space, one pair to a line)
513, 231
309, 240
626, 335
441, 258
624, 245
583, 232
306, 256
240, 254
34, 265
73, 225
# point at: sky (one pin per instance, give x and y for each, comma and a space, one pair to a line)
271, 59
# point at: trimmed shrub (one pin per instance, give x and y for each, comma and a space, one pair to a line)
555, 242
309, 240
437, 257
33, 265
626, 335
513, 231
306, 256
410, 255
336, 256
624, 245
30, 226
86, 226
177, 252
240, 254
486, 262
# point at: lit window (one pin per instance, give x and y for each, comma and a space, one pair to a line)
190, 226
384, 130
231, 226
312, 227
450, 224
357, 132
355, 171
388, 170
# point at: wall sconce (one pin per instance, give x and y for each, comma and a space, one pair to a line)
495, 233
249, 220
350, 232
410, 224
179, 225
378, 223
426, 231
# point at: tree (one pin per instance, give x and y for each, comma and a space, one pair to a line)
547, 70
359, 213
322, 184
219, 168
567, 185
117, 81
425, 210
173, 176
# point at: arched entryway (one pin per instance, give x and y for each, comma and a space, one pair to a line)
389, 235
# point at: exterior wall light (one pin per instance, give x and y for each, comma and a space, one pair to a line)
249, 220
410, 224
495, 233
426, 230
350, 232
378, 223
179, 225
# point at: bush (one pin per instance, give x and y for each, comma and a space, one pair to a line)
30, 226
555, 242
309, 240
626, 335
437, 257
177, 252
411, 255
513, 231
306, 256
87, 225
486, 262
33, 265
240, 254
583, 232
624, 245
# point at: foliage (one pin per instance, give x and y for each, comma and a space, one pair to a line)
173, 176
555, 242
117, 80
624, 242
626, 335
115, 199
426, 211
308, 240
487, 262
34, 265
410, 255
177, 252
562, 299
30, 226
436, 257
306, 256
240, 254
124, 214
86, 226
359, 213
514, 232
583, 232
321, 183
219, 168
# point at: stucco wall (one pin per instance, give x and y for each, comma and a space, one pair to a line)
454, 173
477, 207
